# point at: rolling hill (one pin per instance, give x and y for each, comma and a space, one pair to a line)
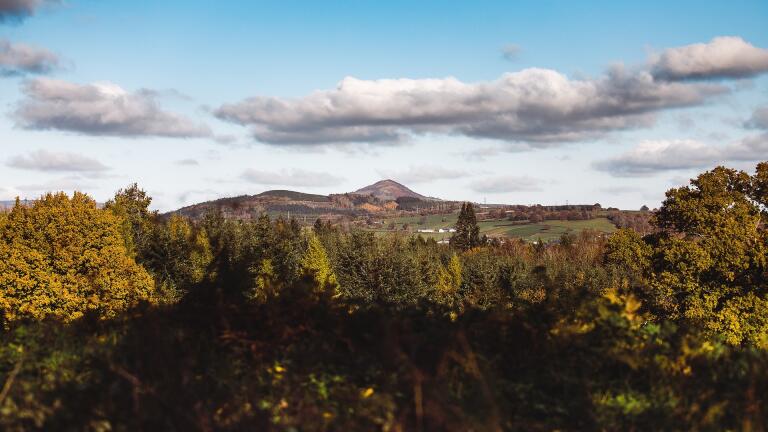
389, 190
375, 198
293, 195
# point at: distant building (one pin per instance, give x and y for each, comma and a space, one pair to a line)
426, 230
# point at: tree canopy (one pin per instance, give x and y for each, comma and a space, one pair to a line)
123, 319
63, 257
707, 263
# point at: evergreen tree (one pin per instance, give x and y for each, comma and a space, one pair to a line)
131, 205
467, 233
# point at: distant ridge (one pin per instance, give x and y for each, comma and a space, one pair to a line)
293, 195
378, 197
389, 190
7, 205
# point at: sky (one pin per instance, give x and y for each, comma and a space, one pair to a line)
524, 102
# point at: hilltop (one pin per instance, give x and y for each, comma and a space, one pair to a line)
389, 190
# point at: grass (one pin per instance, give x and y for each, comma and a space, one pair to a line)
545, 231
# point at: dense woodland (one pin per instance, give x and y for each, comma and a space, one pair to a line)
116, 318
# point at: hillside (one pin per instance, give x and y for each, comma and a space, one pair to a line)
389, 190
376, 198
293, 195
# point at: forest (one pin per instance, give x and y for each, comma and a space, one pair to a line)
116, 318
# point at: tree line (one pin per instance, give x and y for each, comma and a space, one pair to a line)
118, 318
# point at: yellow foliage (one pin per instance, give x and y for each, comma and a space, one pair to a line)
315, 262
449, 277
265, 283
65, 257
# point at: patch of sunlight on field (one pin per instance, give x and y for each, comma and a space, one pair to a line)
545, 231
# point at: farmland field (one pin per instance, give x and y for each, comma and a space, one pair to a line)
545, 231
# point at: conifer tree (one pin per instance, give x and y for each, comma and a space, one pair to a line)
467, 233
131, 205
315, 262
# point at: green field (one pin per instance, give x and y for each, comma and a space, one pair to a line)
545, 231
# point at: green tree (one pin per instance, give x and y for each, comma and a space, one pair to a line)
760, 188
467, 233
708, 261
131, 205
179, 255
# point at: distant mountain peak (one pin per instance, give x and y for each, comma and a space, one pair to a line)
388, 189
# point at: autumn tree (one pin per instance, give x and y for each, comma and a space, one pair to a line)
64, 257
315, 262
449, 280
707, 263
467, 233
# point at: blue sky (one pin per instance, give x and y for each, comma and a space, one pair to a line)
203, 99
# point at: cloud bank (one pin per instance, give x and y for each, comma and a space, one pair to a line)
537, 107
47, 161
293, 177
759, 119
652, 157
722, 57
506, 184
18, 59
424, 174
101, 109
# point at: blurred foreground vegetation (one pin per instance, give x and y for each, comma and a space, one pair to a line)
118, 319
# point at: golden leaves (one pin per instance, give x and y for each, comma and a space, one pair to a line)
63, 257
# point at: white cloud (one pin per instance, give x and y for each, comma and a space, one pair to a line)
293, 177
652, 157
17, 59
8, 193
620, 190
538, 106
506, 184
481, 154
759, 119
66, 184
43, 160
100, 109
722, 57
752, 148
423, 174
